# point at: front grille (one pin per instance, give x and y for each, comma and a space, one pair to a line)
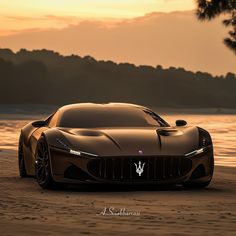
155, 168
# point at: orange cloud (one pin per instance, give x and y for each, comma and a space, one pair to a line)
170, 39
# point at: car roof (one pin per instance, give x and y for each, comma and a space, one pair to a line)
97, 105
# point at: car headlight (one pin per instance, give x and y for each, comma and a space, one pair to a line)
74, 152
204, 143
195, 152
204, 138
78, 153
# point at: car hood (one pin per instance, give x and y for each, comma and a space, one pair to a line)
133, 141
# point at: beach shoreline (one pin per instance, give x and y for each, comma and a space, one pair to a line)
22, 111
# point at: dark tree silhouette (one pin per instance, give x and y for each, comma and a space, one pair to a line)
46, 77
209, 9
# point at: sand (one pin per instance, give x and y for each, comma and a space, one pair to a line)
26, 209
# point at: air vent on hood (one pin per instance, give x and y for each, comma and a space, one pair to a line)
169, 132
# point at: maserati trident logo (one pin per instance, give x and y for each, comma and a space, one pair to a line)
139, 168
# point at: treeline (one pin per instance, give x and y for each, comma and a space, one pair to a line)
46, 77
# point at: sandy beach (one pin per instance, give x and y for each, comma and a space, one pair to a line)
26, 209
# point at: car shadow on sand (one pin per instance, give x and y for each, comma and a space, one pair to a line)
136, 188
26, 182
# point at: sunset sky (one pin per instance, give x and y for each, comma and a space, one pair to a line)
151, 32
24, 14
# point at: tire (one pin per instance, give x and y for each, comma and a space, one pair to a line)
21, 159
42, 166
196, 185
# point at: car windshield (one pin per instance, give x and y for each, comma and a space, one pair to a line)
109, 117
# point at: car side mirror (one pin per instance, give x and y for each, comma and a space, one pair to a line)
39, 123
181, 123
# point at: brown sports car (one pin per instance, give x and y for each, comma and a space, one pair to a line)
114, 143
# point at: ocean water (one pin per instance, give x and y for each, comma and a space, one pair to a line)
221, 127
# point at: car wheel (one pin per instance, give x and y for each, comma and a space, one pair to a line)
21, 160
42, 165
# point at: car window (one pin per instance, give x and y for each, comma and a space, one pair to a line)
108, 117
